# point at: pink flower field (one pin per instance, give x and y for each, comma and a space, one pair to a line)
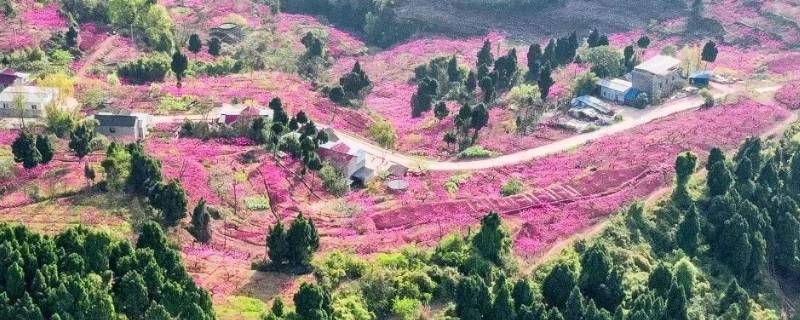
33, 24
789, 95
567, 192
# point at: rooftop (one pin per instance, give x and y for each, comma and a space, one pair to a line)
660, 65
592, 102
112, 120
615, 84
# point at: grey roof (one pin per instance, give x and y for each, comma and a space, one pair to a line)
660, 65
615, 84
363, 174
110, 120
592, 102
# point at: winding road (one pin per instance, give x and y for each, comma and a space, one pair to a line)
631, 119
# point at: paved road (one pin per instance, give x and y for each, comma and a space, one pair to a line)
631, 119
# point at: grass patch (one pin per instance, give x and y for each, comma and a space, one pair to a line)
256, 203
240, 307
475, 152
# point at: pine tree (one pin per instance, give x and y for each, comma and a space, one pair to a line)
303, 241
492, 242
558, 284
719, 179
660, 279
200, 221
214, 46
170, 200
710, 51
574, 310
522, 294
714, 156
277, 245
313, 302
485, 56
441, 111
735, 295
503, 307
179, 65
676, 304
25, 151
643, 42
688, 234
194, 43
545, 81
472, 82
452, 70
80, 140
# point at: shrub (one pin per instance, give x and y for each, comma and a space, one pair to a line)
511, 187
333, 181
454, 181
407, 308
382, 132
168, 104
256, 203
708, 98
475, 152
337, 266
147, 69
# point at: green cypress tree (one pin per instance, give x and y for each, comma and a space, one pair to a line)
313, 302
45, 147
491, 241
303, 241
714, 156
200, 221
503, 307
676, 304
25, 151
485, 56
660, 280
688, 234
719, 179
170, 199
80, 139
574, 309
277, 245
558, 284
522, 294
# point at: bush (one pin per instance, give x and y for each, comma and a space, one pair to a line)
708, 98
337, 266
407, 308
168, 104
511, 187
475, 152
382, 132
144, 70
256, 203
333, 181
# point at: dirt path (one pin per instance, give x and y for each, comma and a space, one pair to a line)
104, 47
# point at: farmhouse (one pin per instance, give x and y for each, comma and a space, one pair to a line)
350, 162
123, 124
617, 90
33, 99
230, 113
657, 76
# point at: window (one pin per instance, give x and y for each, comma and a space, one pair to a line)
112, 130
5, 106
34, 107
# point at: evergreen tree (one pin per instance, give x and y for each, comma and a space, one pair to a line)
71, 38
258, 130
485, 56
735, 296
452, 70
643, 42
132, 295
487, 86
503, 307
574, 310
685, 164
472, 299
719, 179
80, 140
545, 81
660, 279
714, 156
170, 200
200, 221
688, 234
534, 62
336, 94
194, 43
441, 111
303, 241
25, 151
277, 245
492, 242
710, 51
313, 302
45, 147
522, 294
355, 81
733, 245
472, 81
676, 304
558, 284
593, 39
422, 101
179, 65
214, 46
145, 171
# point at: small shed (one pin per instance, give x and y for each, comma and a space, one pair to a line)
700, 79
397, 185
600, 106
615, 89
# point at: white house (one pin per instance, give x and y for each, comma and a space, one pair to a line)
123, 124
34, 99
616, 90
350, 162
658, 76
10, 77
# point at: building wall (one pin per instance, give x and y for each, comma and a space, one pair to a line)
117, 132
7, 110
612, 95
654, 85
